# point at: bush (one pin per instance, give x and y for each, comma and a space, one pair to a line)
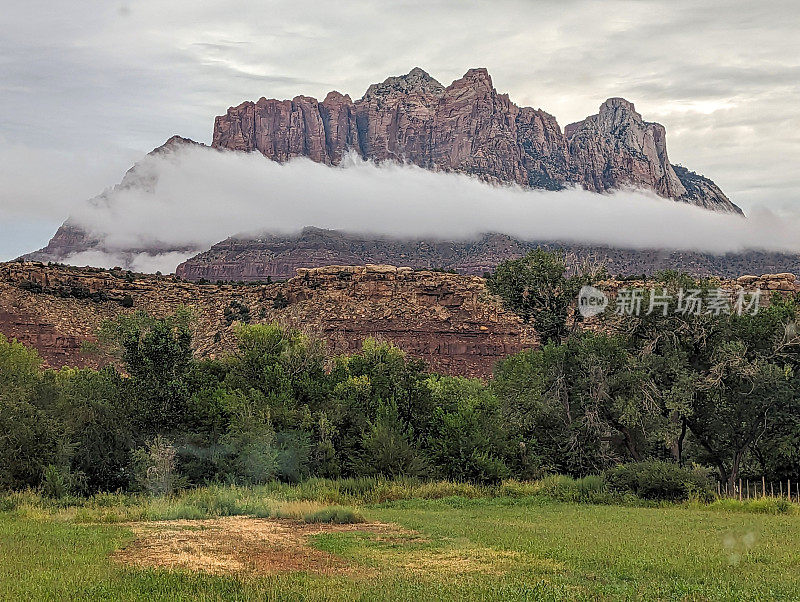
591, 489
58, 482
155, 467
280, 301
660, 481
334, 514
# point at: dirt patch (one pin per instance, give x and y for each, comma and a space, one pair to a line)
239, 545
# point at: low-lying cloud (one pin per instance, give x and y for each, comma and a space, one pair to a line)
203, 196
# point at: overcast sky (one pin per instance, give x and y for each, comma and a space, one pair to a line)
87, 87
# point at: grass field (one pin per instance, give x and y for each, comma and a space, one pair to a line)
482, 548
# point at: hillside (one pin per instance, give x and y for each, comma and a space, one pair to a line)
447, 320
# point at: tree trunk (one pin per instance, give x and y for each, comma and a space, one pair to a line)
734, 474
680, 441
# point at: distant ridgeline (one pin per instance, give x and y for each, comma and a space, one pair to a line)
277, 257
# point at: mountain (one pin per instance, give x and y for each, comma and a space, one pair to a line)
277, 257
466, 127
71, 238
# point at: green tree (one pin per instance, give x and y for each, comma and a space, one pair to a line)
391, 375
467, 440
725, 383
580, 406
285, 366
29, 436
96, 425
538, 288
388, 448
157, 353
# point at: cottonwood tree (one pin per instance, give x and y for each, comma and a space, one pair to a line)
539, 289
725, 381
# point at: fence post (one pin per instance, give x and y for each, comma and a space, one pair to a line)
763, 486
740, 489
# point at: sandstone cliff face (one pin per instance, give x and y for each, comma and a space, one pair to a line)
617, 148
450, 321
278, 257
701, 191
467, 127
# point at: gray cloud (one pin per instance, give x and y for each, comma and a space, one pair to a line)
105, 82
202, 196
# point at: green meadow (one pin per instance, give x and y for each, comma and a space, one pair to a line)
472, 546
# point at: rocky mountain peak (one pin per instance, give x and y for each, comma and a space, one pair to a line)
174, 142
615, 103
477, 79
415, 81
337, 97
478, 74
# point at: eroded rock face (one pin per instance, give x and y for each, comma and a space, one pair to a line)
617, 148
448, 320
469, 127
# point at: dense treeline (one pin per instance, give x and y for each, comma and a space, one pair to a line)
719, 391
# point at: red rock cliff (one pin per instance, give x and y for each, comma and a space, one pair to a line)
448, 320
468, 127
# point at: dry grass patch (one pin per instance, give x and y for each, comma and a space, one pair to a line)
464, 561
238, 545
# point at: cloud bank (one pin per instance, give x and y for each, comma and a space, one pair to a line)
202, 196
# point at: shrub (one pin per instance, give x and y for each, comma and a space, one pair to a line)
660, 481
767, 505
280, 301
155, 466
237, 311
334, 514
127, 301
591, 489
58, 482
